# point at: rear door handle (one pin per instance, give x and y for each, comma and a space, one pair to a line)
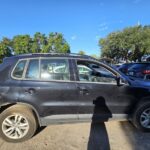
85, 92
30, 91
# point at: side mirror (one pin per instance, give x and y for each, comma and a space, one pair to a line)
118, 81
121, 81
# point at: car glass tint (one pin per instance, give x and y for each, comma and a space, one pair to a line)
33, 69
94, 73
18, 71
54, 69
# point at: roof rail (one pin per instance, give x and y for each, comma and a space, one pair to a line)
67, 54
59, 54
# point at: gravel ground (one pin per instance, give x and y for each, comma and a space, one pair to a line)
85, 136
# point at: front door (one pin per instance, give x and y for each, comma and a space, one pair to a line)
99, 95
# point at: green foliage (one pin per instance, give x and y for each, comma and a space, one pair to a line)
131, 43
5, 48
81, 52
40, 43
56, 43
22, 44
95, 56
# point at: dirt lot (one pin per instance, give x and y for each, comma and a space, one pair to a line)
84, 136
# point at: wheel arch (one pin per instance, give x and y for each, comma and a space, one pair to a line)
138, 109
143, 100
7, 105
138, 103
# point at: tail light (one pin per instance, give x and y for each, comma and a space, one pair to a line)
146, 72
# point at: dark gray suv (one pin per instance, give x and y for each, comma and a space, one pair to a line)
41, 89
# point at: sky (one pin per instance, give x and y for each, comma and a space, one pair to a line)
82, 22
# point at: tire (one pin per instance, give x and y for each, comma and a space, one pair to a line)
140, 119
17, 124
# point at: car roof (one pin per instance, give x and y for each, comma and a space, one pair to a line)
66, 55
138, 63
134, 63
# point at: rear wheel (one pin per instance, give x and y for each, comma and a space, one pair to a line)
141, 117
17, 124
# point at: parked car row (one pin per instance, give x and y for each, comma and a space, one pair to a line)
137, 70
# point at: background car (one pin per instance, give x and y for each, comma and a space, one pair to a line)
145, 58
139, 70
124, 67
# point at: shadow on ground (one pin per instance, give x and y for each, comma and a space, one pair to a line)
137, 139
39, 130
98, 139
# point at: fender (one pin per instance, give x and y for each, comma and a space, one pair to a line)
6, 105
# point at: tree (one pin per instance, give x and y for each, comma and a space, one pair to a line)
56, 44
81, 52
131, 43
110, 45
22, 44
5, 48
39, 41
94, 56
140, 43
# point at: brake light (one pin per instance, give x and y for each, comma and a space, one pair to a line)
146, 71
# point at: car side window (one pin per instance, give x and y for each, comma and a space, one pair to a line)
55, 69
32, 69
92, 72
18, 71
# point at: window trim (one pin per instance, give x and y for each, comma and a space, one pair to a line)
73, 73
15, 68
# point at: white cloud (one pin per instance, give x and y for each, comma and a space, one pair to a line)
103, 26
74, 37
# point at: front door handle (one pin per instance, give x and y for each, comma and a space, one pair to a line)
83, 91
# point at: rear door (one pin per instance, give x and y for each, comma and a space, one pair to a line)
47, 86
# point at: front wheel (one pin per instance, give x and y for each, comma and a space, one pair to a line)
141, 117
17, 124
